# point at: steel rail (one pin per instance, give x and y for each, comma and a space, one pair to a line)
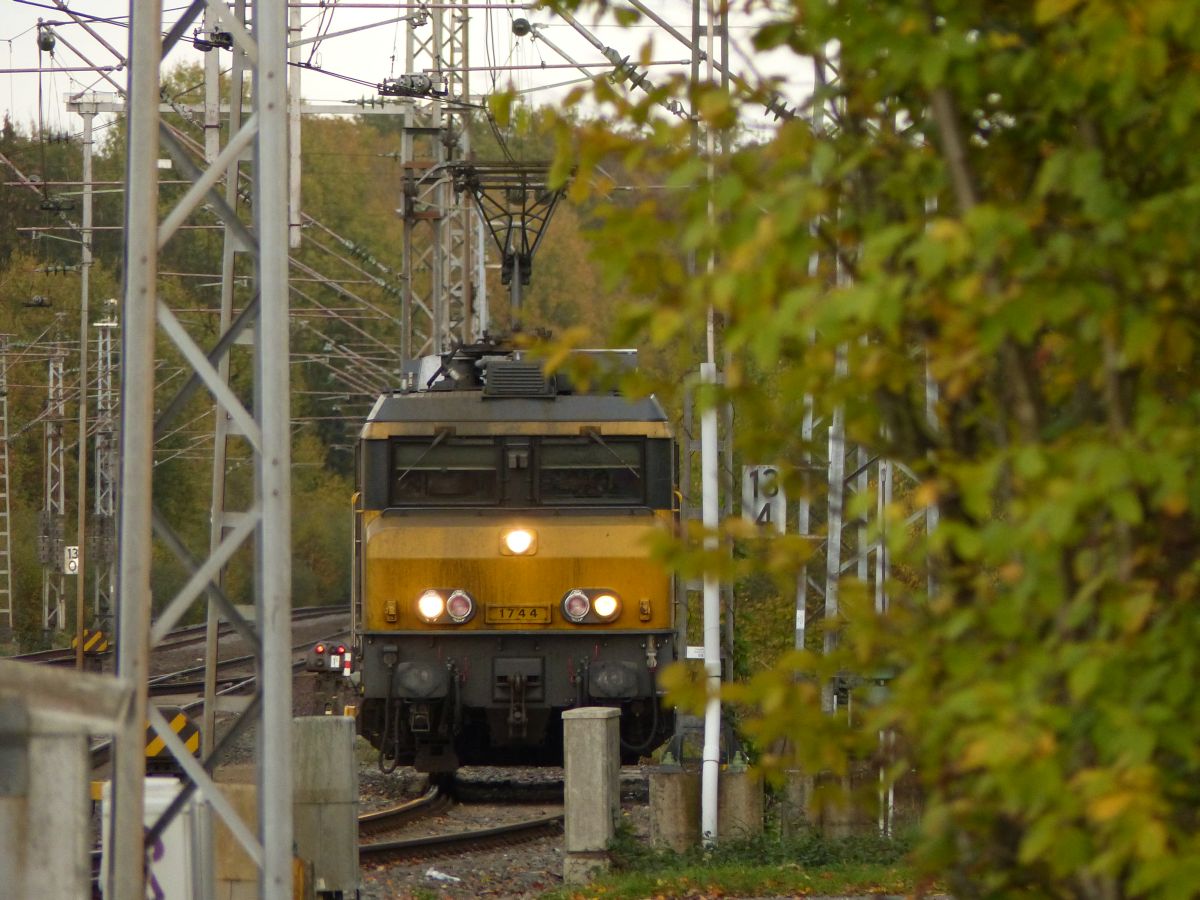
461, 841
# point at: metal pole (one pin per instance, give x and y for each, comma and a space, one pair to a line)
710, 499
482, 320
931, 512
212, 147
85, 265
833, 544
804, 523
6, 610
137, 448
710, 476
274, 470
294, 72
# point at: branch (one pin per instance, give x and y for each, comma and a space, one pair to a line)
952, 145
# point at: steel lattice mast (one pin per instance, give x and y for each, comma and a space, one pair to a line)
439, 237
54, 612
105, 508
265, 425
6, 609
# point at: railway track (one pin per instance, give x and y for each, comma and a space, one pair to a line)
437, 799
464, 841
432, 801
180, 637
233, 684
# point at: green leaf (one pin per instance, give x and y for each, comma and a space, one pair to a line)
1045, 11
1084, 676
500, 105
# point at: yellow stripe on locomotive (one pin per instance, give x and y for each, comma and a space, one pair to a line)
461, 553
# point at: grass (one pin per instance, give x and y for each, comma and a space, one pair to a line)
804, 864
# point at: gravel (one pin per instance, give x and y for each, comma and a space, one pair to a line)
518, 871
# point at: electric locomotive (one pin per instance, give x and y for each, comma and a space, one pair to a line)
502, 569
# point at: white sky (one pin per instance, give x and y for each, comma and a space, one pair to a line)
365, 55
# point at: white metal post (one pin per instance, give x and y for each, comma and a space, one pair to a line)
137, 448
710, 766
833, 544
293, 76
274, 469
218, 515
6, 610
85, 266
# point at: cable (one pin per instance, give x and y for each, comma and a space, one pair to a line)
327, 23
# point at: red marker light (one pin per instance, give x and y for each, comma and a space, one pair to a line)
320, 648
341, 649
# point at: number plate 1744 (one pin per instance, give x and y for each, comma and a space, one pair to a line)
512, 615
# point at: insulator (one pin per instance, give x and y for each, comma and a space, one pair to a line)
414, 84
213, 40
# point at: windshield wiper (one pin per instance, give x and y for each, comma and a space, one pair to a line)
437, 439
595, 436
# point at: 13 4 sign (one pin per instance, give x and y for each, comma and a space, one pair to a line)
763, 502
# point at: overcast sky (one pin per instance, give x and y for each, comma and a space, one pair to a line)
369, 55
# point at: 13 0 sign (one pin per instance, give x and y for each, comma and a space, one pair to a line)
763, 502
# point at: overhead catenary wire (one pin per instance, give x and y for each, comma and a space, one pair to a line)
326, 30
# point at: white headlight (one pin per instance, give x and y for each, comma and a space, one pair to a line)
519, 541
605, 606
430, 605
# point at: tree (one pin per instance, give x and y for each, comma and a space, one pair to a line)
1009, 191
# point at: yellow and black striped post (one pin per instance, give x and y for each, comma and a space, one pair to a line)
158, 757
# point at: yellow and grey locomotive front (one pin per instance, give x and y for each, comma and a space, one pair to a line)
504, 568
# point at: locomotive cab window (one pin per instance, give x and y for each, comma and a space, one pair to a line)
591, 470
444, 471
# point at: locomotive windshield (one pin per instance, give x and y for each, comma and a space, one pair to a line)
584, 470
590, 469
440, 471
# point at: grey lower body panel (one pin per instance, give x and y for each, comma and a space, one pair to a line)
482, 697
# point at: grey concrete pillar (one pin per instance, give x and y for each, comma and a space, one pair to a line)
674, 808
740, 800
592, 757
797, 809
44, 814
236, 874
325, 800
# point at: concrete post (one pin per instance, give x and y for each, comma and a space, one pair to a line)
740, 793
798, 810
676, 804
325, 801
674, 808
44, 839
592, 789
235, 875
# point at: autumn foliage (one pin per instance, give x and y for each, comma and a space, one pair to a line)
1001, 201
